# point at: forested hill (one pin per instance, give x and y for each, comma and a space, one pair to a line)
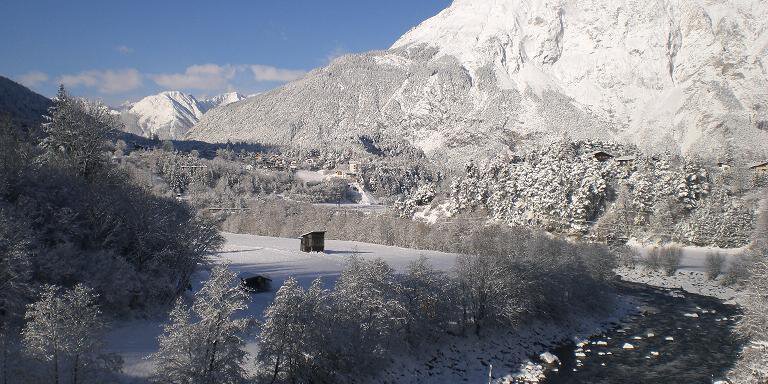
21, 104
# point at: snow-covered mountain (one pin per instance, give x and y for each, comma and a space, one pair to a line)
170, 114
217, 101
482, 75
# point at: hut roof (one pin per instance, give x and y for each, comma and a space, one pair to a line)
312, 233
625, 158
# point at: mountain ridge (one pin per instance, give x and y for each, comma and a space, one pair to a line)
21, 104
170, 114
483, 76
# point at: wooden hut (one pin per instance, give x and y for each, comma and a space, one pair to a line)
602, 156
313, 241
256, 284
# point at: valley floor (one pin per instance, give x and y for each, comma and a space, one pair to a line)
279, 258
454, 359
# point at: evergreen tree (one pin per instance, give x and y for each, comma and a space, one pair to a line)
76, 131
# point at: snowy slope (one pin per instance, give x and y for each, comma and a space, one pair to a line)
170, 114
483, 74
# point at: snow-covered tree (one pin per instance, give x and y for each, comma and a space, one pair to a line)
15, 155
643, 195
15, 270
15, 288
752, 366
64, 330
421, 197
291, 338
205, 343
76, 133
367, 311
427, 298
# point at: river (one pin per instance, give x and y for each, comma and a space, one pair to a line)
678, 338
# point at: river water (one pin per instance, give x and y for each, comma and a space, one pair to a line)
677, 338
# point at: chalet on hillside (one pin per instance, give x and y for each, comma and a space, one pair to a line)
601, 156
625, 160
342, 172
760, 168
313, 241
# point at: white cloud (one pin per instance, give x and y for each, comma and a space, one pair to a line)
124, 49
268, 73
214, 77
33, 78
205, 76
108, 81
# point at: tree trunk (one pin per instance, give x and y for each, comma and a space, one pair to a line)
75, 367
56, 367
211, 364
4, 363
277, 367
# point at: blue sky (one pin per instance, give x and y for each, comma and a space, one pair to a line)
120, 50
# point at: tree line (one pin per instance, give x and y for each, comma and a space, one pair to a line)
350, 330
752, 366
76, 233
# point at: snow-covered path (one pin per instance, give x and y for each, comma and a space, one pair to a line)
277, 258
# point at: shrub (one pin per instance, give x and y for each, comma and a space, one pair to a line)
671, 256
626, 256
653, 259
737, 272
714, 264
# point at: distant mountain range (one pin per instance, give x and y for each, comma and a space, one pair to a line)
486, 75
170, 114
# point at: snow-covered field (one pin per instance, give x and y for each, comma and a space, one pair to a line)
280, 258
277, 258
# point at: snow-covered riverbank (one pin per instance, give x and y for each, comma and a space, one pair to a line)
468, 359
689, 281
690, 277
